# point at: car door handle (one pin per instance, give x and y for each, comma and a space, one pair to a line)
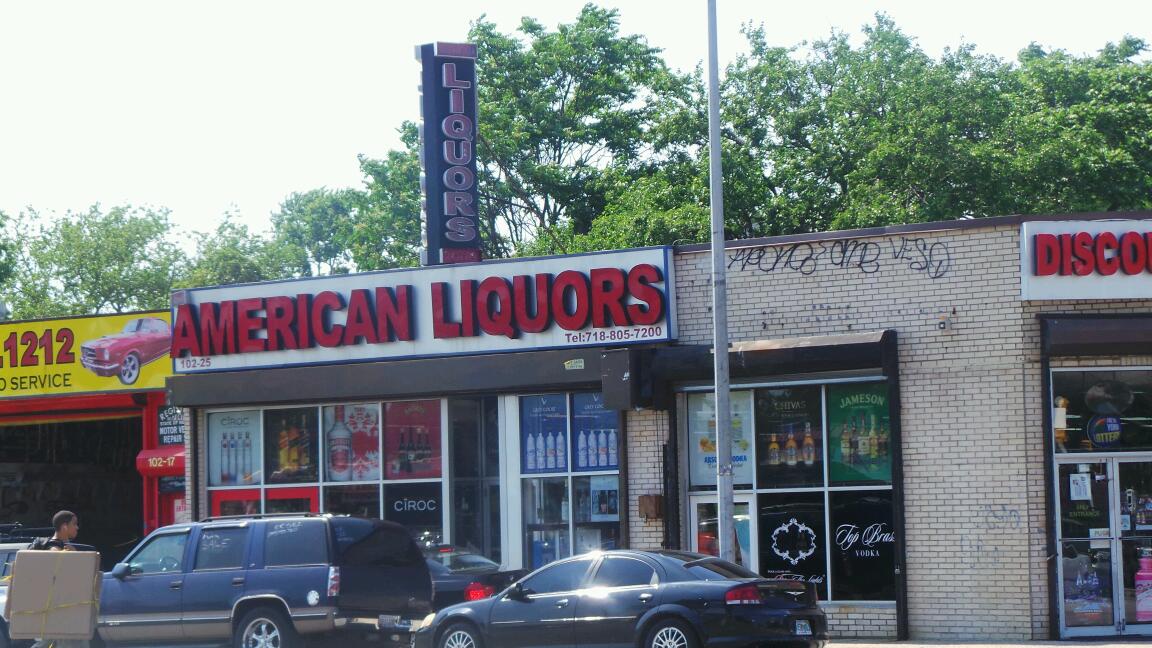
645, 598
562, 603
239, 580
175, 585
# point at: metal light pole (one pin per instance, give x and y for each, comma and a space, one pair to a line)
725, 533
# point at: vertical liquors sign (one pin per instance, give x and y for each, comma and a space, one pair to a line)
448, 153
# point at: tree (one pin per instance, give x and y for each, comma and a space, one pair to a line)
95, 261
386, 233
557, 109
316, 226
233, 255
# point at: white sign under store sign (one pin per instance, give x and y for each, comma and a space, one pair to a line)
1100, 259
601, 299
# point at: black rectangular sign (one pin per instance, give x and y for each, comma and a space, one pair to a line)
448, 153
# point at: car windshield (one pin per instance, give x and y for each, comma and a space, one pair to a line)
460, 560
132, 326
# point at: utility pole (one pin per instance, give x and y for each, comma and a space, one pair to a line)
725, 532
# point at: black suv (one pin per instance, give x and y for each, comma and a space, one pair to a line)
267, 581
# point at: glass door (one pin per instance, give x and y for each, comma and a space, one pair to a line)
704, 528
1134, 482
1086, 549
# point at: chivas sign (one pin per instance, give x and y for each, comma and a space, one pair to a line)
1104, 259
448, 153
606, 299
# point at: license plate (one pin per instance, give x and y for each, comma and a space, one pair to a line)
392, 621
803, 627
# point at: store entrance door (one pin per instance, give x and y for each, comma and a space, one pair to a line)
1105, 544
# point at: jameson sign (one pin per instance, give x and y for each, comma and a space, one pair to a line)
610, 298
448, 136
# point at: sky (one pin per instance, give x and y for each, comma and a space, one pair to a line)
214, 107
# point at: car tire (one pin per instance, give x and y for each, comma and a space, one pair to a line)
265, 627
130, 368
460, 635
671, 633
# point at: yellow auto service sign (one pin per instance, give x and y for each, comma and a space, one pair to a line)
80, 355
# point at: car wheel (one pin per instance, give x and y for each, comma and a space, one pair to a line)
671, 633
130, 369
460, 635
265, 628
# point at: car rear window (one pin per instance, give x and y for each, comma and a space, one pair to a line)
717, 569
374, 543
295, 542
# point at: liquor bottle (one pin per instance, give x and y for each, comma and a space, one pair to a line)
845, 444
561, 450
602, 449
581, 450
863, 450
773, 451
225, 477
284, 445
530, 453
808, 449
550, 451
405, 452
246, 459
882, 441
540, 450
339, 448
873, 442
427, 447
613, 452
593, 453
791, 451
303, 444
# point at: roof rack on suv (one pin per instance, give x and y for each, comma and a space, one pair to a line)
260, 516
17, 532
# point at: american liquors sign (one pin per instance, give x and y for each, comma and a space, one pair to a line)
603, 299
1101, 259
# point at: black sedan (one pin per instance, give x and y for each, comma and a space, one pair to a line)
460, 575
621, 599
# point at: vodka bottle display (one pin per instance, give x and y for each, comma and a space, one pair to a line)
232, 458
246, 459
613, 457
593, 453
602, 449
540, 451
339, 448
581, 450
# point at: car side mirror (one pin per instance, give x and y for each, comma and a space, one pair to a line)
519, 592
121, 571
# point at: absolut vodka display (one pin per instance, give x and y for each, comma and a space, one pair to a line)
596, 445
544, 434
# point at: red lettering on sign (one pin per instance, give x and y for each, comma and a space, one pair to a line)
280, 319
361, 325
441, 327
1046, 257
1083, 253
304, 322
540, 318
1107, 262
494, 307
569, 303
394, 313
217, 328
327, 334
184, 337
247, 323
608, 300
468, 308
640, 280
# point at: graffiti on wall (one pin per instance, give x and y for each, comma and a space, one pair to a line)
931, 258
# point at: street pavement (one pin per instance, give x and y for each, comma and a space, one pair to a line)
852, 643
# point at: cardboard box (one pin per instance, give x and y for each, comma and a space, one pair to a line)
54, 594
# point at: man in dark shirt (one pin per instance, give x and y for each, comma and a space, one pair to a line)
67, 525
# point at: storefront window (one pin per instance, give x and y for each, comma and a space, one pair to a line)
292, 500
821, 509
860, 434
789, 437
291, 445
418, 507
1102, 410
569, 511
702, 439
361, 500
234, 448
792, 537
863, 545
412, 439
351, 443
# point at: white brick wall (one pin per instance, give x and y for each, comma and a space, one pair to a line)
971, 401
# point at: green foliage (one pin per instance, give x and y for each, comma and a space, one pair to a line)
386, 233
233, 255
316, 227
97, 261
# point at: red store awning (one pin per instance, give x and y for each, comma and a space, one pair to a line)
165, 461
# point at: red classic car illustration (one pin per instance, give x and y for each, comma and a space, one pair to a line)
141, 341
